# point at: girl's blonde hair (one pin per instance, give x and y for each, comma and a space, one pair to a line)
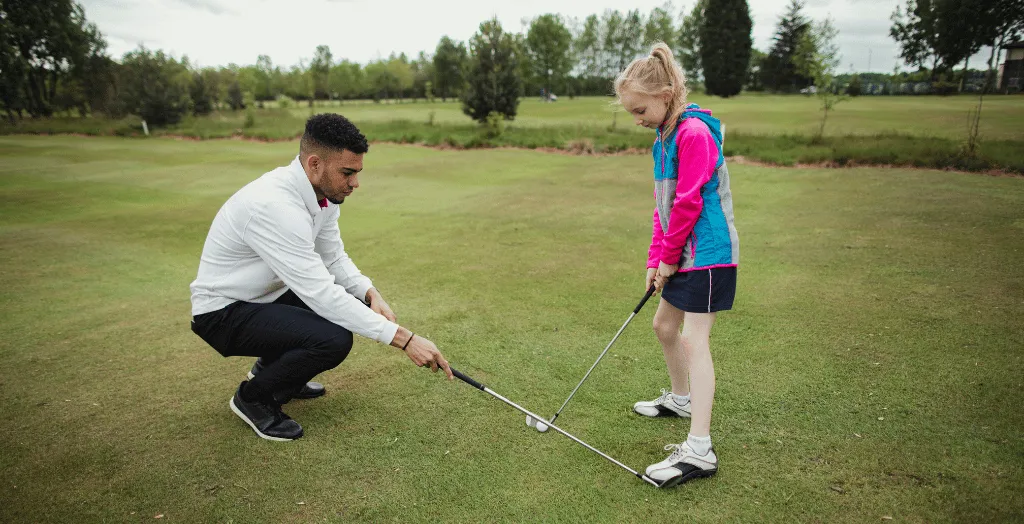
653, 75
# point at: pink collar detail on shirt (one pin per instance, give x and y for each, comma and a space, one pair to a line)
323, 203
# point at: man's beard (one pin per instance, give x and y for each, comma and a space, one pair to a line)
323, 191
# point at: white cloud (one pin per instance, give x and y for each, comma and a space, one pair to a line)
212, 6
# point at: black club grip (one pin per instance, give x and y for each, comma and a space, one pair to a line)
650, 291
465, 378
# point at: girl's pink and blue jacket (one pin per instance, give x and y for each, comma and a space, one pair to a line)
693, 217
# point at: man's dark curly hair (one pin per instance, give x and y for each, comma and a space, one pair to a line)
331, 132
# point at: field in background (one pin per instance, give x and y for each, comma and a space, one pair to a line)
871, 368
779, 130
749, 114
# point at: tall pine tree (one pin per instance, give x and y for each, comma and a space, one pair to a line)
725, 46
494, 82
778, 72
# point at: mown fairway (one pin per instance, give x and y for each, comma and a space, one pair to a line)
872, 366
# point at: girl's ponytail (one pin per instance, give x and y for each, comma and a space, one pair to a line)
657, 74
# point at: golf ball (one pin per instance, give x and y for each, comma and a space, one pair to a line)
542, 427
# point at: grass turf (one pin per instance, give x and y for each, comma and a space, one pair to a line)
750, 113
905, 131
872, 365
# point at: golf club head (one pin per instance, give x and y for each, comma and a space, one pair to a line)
536, 424
670, 483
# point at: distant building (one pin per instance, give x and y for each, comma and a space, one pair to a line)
1011, 72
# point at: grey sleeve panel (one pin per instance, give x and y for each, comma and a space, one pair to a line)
664, 196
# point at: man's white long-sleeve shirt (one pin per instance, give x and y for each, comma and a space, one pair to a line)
272, 236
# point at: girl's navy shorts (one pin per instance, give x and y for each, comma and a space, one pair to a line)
702, 290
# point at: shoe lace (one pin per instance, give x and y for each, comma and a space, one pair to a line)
678, 451
665, 395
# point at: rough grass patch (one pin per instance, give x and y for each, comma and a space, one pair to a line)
583, 146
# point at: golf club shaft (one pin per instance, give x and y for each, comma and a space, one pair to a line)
650, 291
465, 378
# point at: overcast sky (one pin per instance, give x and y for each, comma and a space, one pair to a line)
219, 32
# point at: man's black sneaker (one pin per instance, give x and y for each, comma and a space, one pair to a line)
310, 390
267, 420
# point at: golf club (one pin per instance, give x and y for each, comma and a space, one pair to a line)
538, 423
465, 378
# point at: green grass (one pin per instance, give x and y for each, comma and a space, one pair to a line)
872, 365
750, 113
904, 131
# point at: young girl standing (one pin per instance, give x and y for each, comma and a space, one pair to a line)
693, 255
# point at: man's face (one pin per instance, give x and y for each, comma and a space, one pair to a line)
335, 175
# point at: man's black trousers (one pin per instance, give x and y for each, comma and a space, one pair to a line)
295, 343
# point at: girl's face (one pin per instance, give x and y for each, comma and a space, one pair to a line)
649, 111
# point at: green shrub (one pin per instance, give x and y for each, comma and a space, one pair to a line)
250, 110
285, 102
495, 125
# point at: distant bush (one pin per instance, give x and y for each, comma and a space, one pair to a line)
944, 87
250, 110
236, 99
495, 124
285, 102
854, 88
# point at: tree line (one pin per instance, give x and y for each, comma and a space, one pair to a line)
938, 35
53, 60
